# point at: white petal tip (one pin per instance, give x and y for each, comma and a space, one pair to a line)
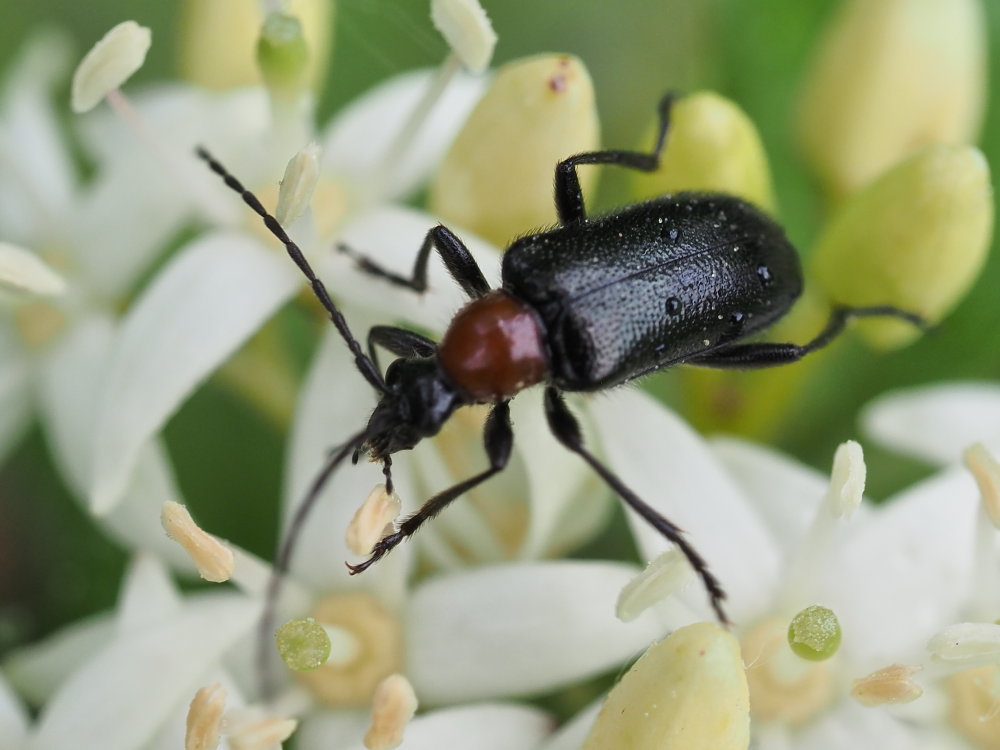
24, 272
109, 64
967, 644
468, 31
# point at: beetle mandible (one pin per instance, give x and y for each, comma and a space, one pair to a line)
588, 305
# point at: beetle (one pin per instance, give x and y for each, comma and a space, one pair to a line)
588, 305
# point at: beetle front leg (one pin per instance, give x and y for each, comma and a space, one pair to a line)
456, 256
498, 439
569, 196
766, 354
567, 431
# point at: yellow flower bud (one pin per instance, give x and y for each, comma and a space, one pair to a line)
892, 77
713, 146
218, 40
687, 692
916, 238
496, 178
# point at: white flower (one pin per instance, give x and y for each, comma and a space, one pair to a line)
891, 574
122, 681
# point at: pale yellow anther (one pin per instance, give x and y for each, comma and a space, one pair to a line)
204, 718
109, 64
496, 179
212, 558
986, 471
467, 29
893, 684
264, 734
847, 480
297, 186
373, 520
974, 706
664, 576
24, 272
393, 705
687, 692
967, 644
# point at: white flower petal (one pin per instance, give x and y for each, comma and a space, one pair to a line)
358, 138
39, 669
13, 718
391, 236
148, 595
906, 572
110, 63
851, 725
157, 668
937, 422
135, 521
334, 404
485, 727
324, 729
23, 271
784, 492
38, 177
567, 505
518, 629
661, 459
202, 306
71, 380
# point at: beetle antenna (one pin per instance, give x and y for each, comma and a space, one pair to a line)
284, 557
361, 360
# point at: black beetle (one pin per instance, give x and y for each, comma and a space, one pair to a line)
588, 305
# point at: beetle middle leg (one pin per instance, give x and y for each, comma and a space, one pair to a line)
766, 354
567, 431
569, 197
498, 439
456, 256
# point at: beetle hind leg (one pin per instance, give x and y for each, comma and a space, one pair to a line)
766, 354
569, 196
567, 431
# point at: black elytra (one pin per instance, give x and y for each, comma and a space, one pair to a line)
585, 306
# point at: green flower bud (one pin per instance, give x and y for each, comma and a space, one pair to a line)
218, 40
713, 146
916, 238
814, 633
892, 77
687, 692
496, 179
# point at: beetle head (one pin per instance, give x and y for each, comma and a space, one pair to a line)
418, 401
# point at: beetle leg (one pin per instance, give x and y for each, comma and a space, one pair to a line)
567, 431
569, 196
498, 438
765, 354
365, 366
399, 341
456, 256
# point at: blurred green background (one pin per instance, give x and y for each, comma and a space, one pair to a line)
54, 567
